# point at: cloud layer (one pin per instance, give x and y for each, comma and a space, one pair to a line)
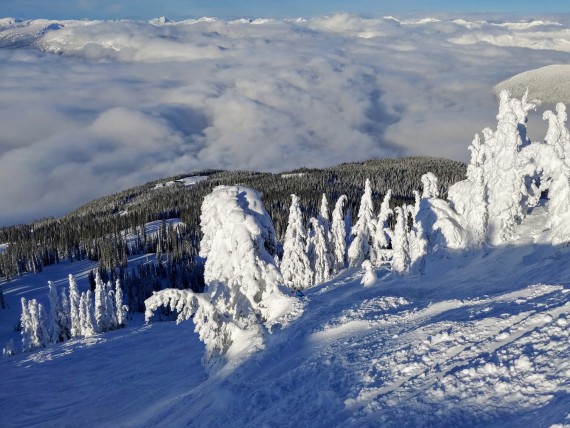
92, 107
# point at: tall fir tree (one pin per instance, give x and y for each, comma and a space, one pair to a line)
363, 231
295, 265
338, 234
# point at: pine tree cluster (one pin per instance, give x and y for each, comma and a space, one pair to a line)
71, 315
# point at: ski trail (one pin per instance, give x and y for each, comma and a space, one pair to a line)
455, 356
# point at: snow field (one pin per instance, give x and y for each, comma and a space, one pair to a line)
473, 342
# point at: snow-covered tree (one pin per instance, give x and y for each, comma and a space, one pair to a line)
111, 308
25, 325
400, 245
74, 308
321, 260
382, 229
100, 304
295, 265
34, 325
338, 234
120, 308
551, 163
502, 168
244, 298
87, 315
363, 231
499, 187
105, 312
324, 218
430, 186
417, 239
369, 278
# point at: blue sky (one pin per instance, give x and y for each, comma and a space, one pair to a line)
228, 9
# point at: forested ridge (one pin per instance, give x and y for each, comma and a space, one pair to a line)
97, 230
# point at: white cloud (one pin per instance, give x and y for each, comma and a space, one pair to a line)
124, 102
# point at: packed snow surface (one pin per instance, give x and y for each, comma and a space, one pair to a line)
481, 339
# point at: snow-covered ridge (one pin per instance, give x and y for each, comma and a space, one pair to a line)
76, 36
550, 84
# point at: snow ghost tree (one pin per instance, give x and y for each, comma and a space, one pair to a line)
417, 239
502, 172
363, 232
324, 219
87, 315
120, 308
34, 325
74, 307
551, 163
508, 174
322, 259
431, 188
400, 245
295, 265
436, 224
369, 278
244, 298
382, 229
338, 234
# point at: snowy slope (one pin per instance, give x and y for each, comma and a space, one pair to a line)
481, 339
550, 84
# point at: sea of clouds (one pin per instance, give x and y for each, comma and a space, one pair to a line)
88, 108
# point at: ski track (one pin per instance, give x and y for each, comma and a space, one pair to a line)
481, 340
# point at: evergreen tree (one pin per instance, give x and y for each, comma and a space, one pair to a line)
244, 298
324, 219
75, 308
363, 231
25, 326
121, 311
101, 310
87, 315
338, 234
322, 261
295, 265
111, 310
401, 249
35, 331
382, 237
